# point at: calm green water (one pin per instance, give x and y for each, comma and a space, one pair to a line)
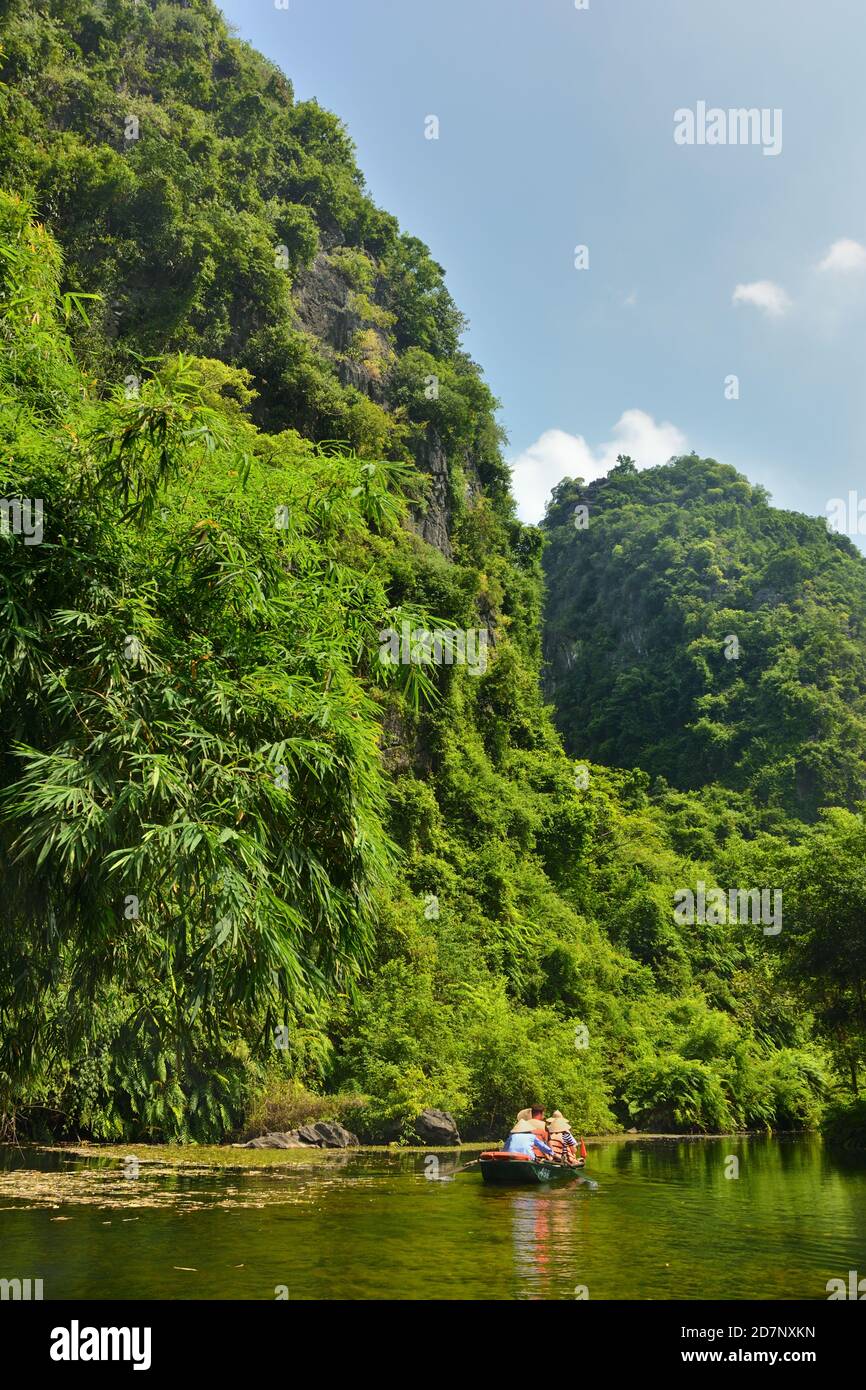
662, 1222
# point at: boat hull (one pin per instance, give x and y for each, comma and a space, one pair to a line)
499, 1172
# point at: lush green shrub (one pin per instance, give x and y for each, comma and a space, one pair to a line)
673, 1093
517, 1057
281, 1103
844, 1126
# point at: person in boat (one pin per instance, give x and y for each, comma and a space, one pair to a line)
537, 1118
561, 1140
535, 1115
525, 1139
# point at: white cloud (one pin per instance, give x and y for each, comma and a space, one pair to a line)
764, 294
844, 255
557, 455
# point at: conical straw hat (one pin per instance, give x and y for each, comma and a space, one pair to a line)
524, 1127
558, 1124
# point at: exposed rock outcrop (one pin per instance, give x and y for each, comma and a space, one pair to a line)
289, 1140
325, 307
436, 1127
435, 523
322, 1135
322, 301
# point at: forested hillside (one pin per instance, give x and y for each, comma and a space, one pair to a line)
247, 864
701, 633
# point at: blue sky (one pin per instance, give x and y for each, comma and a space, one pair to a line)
556, 129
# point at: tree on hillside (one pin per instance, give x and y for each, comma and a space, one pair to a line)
828, 957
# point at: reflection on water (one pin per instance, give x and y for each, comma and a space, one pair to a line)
648, 1220
545, 1233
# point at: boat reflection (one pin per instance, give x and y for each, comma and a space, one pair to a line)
550, 1232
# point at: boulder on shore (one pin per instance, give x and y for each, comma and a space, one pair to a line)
289, 1140
436, 1127
321, 1135
334, 1136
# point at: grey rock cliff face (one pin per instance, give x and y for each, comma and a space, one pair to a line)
323, 303
324, 307
434, 525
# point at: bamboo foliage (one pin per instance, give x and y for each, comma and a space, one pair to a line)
192, 796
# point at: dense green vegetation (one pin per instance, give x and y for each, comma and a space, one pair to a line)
189, 188
245, 863
645, 598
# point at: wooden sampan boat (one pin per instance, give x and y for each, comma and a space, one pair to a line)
503, 1169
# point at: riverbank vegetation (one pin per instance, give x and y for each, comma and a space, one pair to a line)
249, 869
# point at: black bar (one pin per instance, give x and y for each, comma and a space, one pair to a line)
247, 1339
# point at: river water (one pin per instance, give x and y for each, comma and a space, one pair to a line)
659, 1219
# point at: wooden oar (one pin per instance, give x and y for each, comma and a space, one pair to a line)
473, 1163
